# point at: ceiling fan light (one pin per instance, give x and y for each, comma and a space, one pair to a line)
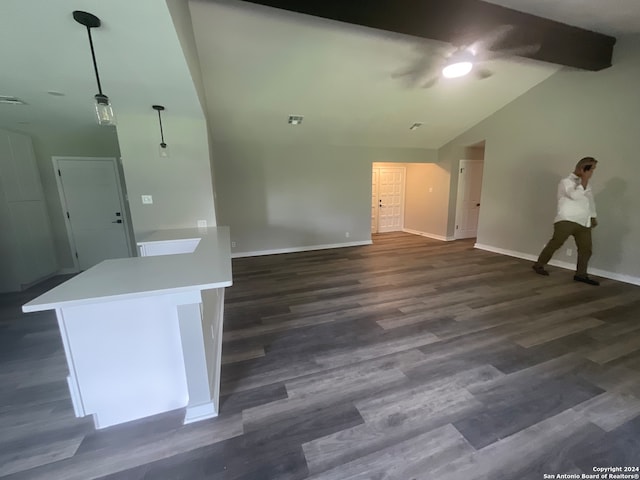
457, 69
104, 111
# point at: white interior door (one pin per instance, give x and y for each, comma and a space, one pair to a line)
92, 202
389, 200
374, 200
469, 193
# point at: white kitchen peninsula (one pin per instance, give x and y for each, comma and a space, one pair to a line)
144, 335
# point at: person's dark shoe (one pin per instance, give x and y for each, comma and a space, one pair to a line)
586, 279
540, 270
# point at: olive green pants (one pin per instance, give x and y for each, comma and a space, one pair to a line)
561, 232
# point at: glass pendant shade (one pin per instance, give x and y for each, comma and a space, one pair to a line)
104, 111
163, 150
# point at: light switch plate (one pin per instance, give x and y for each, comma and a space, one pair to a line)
147, 199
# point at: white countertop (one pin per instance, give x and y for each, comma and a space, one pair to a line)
209, 266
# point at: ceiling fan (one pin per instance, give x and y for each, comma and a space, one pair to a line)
458, 61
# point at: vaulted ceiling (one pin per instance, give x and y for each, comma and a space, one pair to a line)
259, 65
262, 64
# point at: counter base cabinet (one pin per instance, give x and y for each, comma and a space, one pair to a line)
201, 337
143, 335
130, 359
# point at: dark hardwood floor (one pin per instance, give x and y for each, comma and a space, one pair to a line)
407, 359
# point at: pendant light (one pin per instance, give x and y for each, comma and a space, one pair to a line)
163, 150
104, 112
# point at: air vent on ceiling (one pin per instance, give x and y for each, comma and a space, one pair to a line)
415, 125
295, 119
11, 100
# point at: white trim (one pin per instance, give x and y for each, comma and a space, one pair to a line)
199, 412
299, 249
63, 204
428, 235
459, 200
26, 286
558, 263
67, 271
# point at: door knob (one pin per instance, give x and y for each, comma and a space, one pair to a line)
477, 204
117, 221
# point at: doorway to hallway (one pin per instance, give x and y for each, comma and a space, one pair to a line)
468, 201
387, 199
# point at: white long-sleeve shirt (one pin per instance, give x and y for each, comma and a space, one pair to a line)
575, 203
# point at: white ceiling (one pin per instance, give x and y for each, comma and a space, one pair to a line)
43, 48
613, 17
259, 65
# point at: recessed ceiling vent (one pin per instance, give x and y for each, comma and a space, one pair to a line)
11, 100
415, 126
295, 119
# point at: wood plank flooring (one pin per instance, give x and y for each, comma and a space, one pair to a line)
407, 359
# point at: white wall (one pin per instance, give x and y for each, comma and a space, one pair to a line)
279, 197
180, 185
93, 141
537, 139
427, 200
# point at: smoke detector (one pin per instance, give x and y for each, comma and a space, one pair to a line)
295, 119
11, 100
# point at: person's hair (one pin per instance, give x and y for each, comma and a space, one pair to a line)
585, 161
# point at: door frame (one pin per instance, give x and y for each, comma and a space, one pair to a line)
381, 166
459, 199
63, 203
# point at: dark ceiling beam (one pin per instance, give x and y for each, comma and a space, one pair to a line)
460, 21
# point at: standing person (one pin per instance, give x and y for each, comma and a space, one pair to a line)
576, 216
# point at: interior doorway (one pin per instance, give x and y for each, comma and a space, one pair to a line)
93, 204
468, 199
387, 198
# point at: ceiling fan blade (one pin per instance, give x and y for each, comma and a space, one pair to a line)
481, 73
417, 68
520, 51
494, 37
430, 81
428, 59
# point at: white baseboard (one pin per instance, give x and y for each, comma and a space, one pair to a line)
558, 263
428, 235
26, 286
299, 249
199, 412
67, 271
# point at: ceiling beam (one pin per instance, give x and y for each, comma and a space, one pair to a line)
460, 21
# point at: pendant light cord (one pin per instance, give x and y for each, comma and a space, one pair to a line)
93, 56
161, 131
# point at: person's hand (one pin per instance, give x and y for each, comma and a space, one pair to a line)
594, 222
585, 176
